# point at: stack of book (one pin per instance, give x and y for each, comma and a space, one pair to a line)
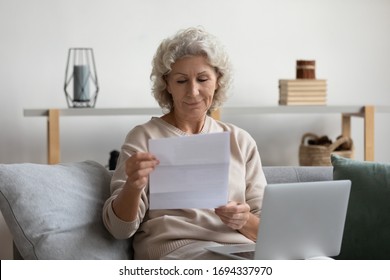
302, 92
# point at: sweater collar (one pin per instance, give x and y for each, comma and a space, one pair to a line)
205, 129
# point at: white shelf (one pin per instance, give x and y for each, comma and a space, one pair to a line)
94, 111
293, 110
366, 112
350, 110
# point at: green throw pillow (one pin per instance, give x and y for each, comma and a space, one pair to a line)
367, 226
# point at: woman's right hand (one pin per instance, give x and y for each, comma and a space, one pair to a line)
138, 167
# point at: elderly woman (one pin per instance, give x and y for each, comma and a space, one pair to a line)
191, 76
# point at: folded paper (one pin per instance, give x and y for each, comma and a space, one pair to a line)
193, 171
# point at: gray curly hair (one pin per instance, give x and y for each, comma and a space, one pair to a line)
190, 42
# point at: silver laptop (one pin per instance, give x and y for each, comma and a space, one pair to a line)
298, 221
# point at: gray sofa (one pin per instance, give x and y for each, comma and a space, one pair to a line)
54, 211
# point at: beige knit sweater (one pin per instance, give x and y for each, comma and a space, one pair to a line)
159, 232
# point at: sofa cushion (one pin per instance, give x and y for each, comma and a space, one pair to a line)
55, 211
367, 226
294, 174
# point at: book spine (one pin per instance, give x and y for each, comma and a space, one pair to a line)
283, 102
302, 82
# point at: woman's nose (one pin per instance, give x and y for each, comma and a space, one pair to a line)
193, 88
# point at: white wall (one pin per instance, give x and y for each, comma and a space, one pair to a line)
348, 39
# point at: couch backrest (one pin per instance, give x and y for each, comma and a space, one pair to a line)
292, 174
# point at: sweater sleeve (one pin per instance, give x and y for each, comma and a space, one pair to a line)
118, 228
247, 179
255, 180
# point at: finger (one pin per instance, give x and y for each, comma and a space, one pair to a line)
139, 173
138, 168
139, 162
142, 165
139, 179
233, 216
140, 157
234, 224
227, 207
143, 156
233, 207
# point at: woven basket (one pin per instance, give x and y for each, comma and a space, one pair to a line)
314, 155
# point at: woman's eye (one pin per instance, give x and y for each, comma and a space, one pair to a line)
181, 81
202, 80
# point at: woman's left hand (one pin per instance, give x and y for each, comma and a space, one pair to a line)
234, 215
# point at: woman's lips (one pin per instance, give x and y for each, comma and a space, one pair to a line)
193, 103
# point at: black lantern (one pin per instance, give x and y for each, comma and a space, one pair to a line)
81, 70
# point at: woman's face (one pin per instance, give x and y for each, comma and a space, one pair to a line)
192, 83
